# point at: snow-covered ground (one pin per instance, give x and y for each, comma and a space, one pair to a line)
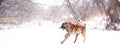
47, 38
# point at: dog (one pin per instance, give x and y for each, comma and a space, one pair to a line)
72, 28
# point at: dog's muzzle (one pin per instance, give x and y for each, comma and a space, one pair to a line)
62, 27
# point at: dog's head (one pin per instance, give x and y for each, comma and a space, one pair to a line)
66, 25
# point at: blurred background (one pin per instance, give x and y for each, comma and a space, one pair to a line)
97, 13
34, 25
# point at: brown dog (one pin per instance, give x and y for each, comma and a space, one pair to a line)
73, 29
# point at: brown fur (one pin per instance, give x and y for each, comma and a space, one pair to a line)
73, 29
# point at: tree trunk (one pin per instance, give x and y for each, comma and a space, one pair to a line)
113, 13
72, 11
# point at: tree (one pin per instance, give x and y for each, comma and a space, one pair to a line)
72, 11
113, 11
85, 8
19, 9
1, 1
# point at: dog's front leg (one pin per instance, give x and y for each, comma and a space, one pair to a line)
66, 37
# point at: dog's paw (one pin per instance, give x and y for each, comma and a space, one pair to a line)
61, 42
74, 41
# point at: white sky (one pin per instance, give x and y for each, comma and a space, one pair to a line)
49, 2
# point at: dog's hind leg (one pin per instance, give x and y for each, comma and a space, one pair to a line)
76, 37
83, 34
66, 37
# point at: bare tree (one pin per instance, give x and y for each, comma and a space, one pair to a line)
111, 8
80, 9
72, 10
113, 12
1, 1
99, 5
55, 13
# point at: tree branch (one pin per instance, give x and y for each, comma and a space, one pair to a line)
72, 11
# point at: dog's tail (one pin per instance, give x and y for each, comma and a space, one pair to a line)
83, 25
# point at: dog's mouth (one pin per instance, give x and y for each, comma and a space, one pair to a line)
62, 27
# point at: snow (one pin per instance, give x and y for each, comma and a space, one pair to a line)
97, 22
47, 38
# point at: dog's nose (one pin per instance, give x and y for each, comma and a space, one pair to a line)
61, 27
